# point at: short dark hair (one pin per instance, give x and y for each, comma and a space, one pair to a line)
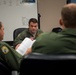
68, 14
34, 20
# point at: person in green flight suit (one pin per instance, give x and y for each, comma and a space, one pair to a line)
7, 54
63, 42
32, 32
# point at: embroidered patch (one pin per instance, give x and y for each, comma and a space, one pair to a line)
5, 50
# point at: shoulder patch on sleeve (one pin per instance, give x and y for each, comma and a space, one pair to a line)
5, 50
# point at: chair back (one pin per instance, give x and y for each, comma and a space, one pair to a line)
47, 64
17, 31
57, 29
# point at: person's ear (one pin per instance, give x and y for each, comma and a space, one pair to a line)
61, 22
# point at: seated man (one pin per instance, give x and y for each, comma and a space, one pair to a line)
32, 32
7, 54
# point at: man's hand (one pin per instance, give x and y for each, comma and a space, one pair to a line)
29, 50
17, 46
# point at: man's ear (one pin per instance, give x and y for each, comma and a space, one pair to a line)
61, 22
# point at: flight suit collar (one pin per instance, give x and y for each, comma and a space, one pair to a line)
69, 31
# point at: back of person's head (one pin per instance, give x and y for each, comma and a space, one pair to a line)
68, 14
34, 20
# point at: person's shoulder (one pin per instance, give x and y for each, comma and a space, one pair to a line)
39, 30
49, 34
1, 42
44, 34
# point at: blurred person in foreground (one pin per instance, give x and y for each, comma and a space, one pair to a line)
8, 55
63, 42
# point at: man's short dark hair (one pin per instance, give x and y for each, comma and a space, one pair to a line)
34, 20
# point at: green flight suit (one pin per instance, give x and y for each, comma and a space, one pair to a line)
56, 43
24, 34
10, 56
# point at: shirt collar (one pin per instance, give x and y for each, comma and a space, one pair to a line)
69, 31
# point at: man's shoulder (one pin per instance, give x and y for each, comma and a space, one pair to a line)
3, 43
50, 35
39, 30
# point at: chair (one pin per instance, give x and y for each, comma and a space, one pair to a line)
17, 31
37, 63
57, 29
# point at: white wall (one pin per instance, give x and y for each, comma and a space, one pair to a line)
14, 15
50, 13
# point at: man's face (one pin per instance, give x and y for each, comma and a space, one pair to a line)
1, 33
33, 27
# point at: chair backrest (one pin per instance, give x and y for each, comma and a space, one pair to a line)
57, 29
17, 31
46, 64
